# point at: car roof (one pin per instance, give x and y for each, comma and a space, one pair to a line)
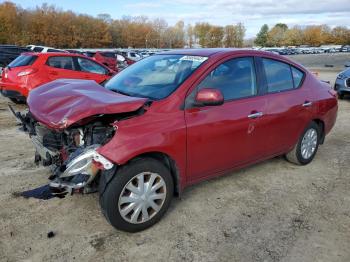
213, 51
53, 54
200, 51
221, 52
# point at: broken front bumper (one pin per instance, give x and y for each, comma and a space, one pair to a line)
81, 170
71, 173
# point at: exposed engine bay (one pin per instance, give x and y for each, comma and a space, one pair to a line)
71, 153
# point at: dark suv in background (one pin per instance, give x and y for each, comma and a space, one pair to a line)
9, 53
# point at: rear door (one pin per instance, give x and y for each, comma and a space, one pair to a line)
92, 70
62, 67
289, 104
222, 137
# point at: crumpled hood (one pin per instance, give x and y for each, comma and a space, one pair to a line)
63, 102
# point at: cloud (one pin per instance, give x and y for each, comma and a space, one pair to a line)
254, 13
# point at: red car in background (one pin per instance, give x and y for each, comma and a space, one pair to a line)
172, 120
31, 70
106, 58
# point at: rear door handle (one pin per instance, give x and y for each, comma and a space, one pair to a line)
255, 115
307, 104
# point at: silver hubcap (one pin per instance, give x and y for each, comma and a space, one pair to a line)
309, 143
142, 197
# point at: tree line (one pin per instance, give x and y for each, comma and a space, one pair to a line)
51, 26
313, 35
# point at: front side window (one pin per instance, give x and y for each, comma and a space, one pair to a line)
62, 62
234, 78
155, 77
89, 66
278, 76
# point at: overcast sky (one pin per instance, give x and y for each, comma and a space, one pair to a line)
252, 13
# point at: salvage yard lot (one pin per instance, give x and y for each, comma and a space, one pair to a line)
271, 211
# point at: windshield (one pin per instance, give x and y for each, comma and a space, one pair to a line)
155, 77
23, 60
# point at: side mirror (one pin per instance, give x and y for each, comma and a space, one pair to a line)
209, 97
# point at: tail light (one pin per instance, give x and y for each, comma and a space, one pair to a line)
27, 72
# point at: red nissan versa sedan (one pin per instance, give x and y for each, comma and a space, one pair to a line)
30, 70
174, 119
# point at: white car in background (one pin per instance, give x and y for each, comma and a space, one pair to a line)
131, 55
44, 49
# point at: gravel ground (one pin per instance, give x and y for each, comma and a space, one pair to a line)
272, 211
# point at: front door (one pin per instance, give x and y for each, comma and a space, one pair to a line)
222, 137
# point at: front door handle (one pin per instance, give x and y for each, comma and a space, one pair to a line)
307, 104
255, 115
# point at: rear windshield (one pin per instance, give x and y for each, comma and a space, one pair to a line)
23, 60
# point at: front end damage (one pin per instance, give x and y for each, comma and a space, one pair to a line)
71, 153
68, 120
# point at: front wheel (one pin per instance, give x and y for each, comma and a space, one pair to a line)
306, 148
138, 195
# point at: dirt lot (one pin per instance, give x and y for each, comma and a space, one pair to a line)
273, 211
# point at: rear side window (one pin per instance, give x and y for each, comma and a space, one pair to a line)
89, 66
278, 76
23, 60
63, 62
297, 76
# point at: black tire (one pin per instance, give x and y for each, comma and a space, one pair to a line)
110, 197
16, 101
295, 156
340, 95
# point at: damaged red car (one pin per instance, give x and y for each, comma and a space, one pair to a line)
172, 120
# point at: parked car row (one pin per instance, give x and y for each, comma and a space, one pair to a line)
9, 53
308, 50
25, 68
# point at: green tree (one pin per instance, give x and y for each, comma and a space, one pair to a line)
261, 37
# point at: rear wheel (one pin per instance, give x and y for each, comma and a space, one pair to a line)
340, 95
306, 148
138, 195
